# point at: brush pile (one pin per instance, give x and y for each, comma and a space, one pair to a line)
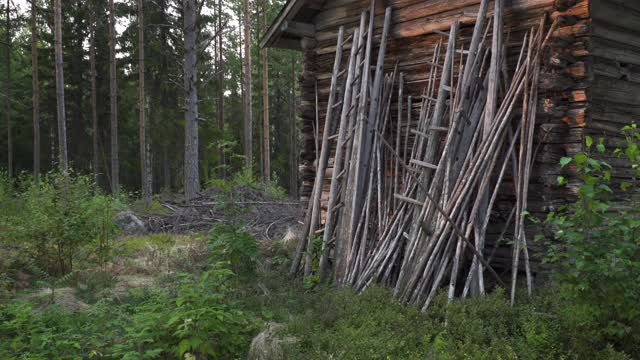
409, 201
264, 216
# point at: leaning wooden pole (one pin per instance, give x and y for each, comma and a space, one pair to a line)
324, 152
313, 210
338, 159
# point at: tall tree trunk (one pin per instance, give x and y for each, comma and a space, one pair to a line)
62, 121
241, 52
35, 95
266, 148
113, 92
94, 98
248, 113
144, 146
7, 97
222, 161
293, 133
191, 173
166, 168
164, 96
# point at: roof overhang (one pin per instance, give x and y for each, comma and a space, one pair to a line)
293, 28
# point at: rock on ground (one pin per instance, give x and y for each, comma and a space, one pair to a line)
129, 223
269, 345
64, 297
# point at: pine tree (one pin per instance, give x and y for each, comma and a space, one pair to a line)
113, 96
191, 171
145, 170
266, 148
248, 112
63, 161
35, 91
7, 97
94, 96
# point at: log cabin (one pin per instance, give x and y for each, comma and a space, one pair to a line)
589, 85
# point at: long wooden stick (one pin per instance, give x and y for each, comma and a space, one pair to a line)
338, 160
324, 152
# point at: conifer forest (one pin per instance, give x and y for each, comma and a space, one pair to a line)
319, 179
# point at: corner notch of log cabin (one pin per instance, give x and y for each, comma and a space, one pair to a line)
298, 29
293, 28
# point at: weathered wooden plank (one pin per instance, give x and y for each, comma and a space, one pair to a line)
616, 14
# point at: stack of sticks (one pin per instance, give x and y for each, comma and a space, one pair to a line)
409, 201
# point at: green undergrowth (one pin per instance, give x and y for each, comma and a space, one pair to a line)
213, 313
243, 181
339, 324
206, 296
196, 313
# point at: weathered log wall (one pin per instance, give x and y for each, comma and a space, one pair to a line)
612, 47
565, 79
590, 82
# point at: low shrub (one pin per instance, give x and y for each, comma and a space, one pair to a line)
197, 316
373, 325
229, 243
597, 251
58, 221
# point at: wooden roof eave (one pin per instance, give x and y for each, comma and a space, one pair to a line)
288, 30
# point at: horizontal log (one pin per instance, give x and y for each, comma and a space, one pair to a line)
618, 91
633, 5
576, 116
615, 113
405, 11
616, 70
570, 8
615, 14
603, 30
613, 50
415, 24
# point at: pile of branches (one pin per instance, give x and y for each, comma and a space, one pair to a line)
410, 202
264, 217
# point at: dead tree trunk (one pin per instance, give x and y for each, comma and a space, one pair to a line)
145, 177
266, 148
35, 95
248, 113
62, 122
191, 172
113, 91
